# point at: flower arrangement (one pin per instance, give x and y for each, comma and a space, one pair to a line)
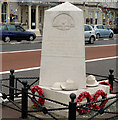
91, 99
106, 83
80, 98
95, 97
40, 92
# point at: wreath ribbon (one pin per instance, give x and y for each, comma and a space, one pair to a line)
40, 93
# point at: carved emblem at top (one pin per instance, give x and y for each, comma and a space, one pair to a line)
63, 22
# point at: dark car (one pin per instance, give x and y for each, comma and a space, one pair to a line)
15, 32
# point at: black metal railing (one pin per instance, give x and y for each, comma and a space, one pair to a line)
71, 107
14, 81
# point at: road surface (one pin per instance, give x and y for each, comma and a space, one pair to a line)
28, 59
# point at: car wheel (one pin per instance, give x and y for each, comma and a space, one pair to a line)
111, 35
97, 35
31, 38
92, 39
7, 39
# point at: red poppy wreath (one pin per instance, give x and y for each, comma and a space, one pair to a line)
80, 98
95, 97
40, 93
106, 83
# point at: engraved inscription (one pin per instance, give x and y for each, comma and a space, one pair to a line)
61, 48
63, 22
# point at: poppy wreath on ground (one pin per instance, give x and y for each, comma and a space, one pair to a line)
95, 97
80, 98
40, 93
106, 83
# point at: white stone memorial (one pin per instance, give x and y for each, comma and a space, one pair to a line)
63, 50
62, 69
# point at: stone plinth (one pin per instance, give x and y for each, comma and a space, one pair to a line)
64, 97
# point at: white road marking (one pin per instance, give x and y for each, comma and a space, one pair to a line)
106, 39
21, 70
22, 51
102, 45
35, 68
100, 59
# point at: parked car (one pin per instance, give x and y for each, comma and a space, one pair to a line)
103, 31
89, 34
15, 32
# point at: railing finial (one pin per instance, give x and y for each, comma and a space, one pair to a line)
12, 71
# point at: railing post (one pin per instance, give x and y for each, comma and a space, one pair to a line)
111, 78
24, 100
72, 107
16, 95
11, 84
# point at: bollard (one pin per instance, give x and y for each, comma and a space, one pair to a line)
11, 84
72, 107
24, 106
111, 78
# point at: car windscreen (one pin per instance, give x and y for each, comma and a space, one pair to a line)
87, 28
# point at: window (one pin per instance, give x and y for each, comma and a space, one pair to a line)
105, 27
87, 28
0, 27
104, 18
4, 27
91, 20
40, 16
19, 28
22, 16
4, 12
96, 17
100, 27
91, 17
11, 27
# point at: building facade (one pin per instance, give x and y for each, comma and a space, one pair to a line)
31, 14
